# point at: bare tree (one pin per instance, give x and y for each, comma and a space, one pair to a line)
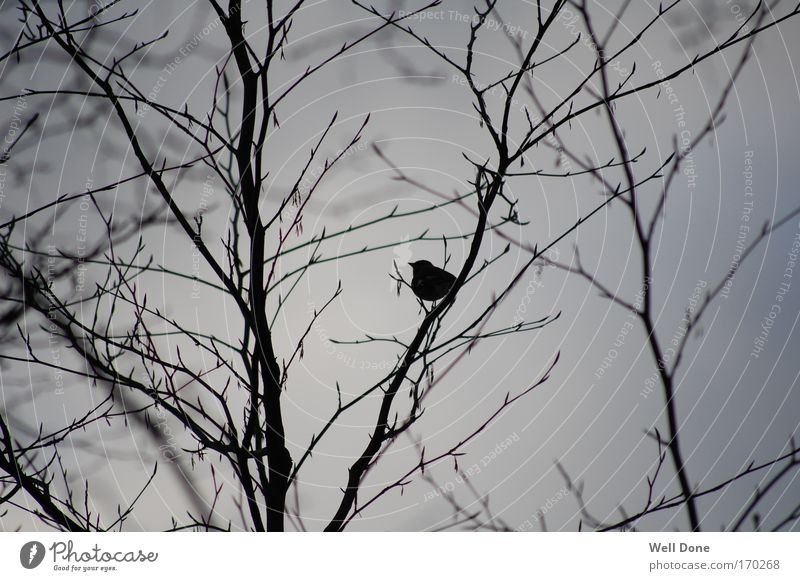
158, 366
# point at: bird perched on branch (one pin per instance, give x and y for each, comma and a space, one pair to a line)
430, 283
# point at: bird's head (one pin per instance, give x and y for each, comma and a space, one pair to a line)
420, 265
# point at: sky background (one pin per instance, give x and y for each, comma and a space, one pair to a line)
734, 406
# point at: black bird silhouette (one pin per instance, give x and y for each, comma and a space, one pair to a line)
430, 283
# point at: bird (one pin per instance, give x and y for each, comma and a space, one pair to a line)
430, 283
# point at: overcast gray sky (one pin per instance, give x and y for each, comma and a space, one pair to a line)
736, 404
